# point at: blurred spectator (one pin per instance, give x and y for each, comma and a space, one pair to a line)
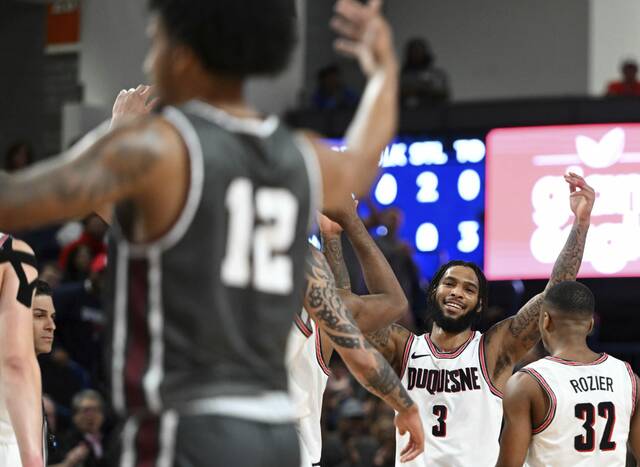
62, 377
400, 257
50, 273
88, 420
421, 82
18, 156
81, 319
629, 84
384, 431
94, 230
331, 92
78, 264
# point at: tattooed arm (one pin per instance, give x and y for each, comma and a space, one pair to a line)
508, 341
369, 367
386, 302
104, 167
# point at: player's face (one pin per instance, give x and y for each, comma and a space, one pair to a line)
44, 324
455, 304
458, 291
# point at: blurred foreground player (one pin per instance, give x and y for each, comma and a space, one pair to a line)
575, 407
21, 426
213, 204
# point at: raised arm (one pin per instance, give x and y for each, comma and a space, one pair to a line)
365, 35
102, 168
20, 378
386, 302
517, 430
365, 363
509, 340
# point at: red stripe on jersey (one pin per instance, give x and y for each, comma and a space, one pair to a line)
319, 356
601, 359
553, 402
634, 389
301, 326
485, 372
147, 442
137, 356
454, 353
405, 356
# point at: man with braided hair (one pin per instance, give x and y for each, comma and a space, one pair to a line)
455, 374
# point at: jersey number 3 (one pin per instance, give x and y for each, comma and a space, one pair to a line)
587, 412
440, 430
262, 228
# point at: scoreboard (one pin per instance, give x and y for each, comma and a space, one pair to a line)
438, 183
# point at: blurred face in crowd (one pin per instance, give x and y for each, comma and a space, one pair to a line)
89, 416
95, 226
44, 324
51, 274
630, 72
82, 259
456, 301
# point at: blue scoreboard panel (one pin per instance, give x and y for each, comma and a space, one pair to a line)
438, 183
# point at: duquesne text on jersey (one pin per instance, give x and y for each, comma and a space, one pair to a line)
435, 381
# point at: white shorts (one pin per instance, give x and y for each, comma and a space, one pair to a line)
10, 455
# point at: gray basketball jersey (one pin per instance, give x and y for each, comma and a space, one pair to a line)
205, 311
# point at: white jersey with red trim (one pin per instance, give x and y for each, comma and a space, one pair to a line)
461, 411
308, 377
589, 414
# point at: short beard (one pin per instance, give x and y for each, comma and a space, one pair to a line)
452, 325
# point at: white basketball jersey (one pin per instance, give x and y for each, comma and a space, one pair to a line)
461, 411
308, 377
9, 451
589, 414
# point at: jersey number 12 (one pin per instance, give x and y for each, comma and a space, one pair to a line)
261, 227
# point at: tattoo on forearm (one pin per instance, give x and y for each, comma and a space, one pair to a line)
568, 263
380, 338
524, 325
327, 307
333, 253
527, 317
346, 342
383, 381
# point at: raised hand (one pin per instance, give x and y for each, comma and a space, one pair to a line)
581, 198
364, 34
327, 226
409, 420
345, 212
133, 103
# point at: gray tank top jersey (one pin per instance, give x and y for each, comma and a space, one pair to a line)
205, 311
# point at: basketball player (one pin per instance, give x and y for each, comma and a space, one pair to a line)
575, 407
213, 205
21, 440
309, 349
455, 374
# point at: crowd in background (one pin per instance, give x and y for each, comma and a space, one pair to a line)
358, 429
